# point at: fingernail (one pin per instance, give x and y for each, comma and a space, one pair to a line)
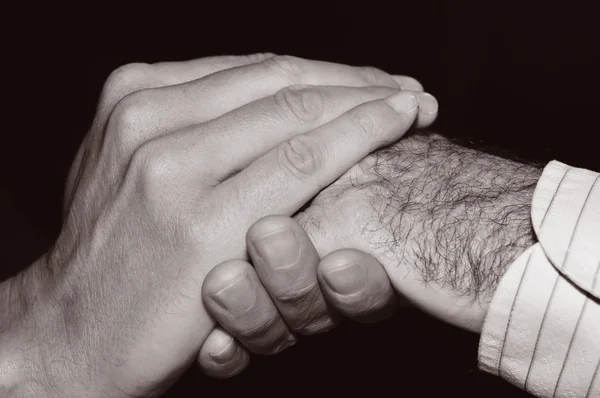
346, 280
428, 103
238, 297
226, 354
403, 102
279, 249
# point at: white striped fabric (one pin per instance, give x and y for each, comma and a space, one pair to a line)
542, 330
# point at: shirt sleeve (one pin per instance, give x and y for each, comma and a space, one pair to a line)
542, 329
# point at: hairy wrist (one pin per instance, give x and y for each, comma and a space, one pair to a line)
459, 215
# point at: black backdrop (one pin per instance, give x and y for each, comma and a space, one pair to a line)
519, 75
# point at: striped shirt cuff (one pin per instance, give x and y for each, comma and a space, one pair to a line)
542, 330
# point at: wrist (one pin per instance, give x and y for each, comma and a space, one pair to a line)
495, 212
21, 367
512, 233
459, 217
37, 355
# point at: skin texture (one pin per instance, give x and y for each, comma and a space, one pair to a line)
440, 223
443, 220
181, 159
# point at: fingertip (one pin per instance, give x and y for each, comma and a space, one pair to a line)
356, 284
221, 356
404, 102
224, 349
343, 272
223, 274
349, 279
428, 109
340, 258
428, 103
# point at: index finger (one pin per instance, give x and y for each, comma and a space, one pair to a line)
285, 178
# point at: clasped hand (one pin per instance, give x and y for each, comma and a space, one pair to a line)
182, 159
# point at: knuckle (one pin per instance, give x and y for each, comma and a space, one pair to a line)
301, 157
306, 312
372, 307
131, 109
130, 116
281, 345
297, 297
286, 66
364, 307
127, 78
128, 72
156, 169
257, 330
304, 105
315, 325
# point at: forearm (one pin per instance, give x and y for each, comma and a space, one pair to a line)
444, 221
447, 221
475, 226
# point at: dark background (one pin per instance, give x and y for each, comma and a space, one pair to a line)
522, 76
